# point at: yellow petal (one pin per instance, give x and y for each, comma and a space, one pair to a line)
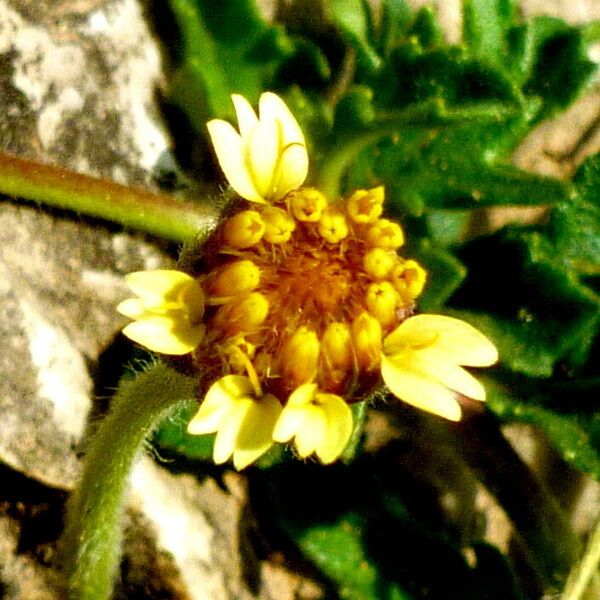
132, 308
272, 107
161, 334
339, 427
255, 434
312, 431
293, 169
247, 119
293, 157
154, 287
292, 416
229, 428
262, 153
230, 151
216, 401
289, 422
464, 344
435, 365
415, 389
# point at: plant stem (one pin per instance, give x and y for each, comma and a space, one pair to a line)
583, 573
157, 214
546, 535
91, 541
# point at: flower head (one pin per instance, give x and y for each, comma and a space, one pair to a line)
308, 307
267, 158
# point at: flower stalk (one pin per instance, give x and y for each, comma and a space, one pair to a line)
92, 538
157, 214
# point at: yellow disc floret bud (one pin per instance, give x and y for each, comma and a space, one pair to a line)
245, 315
382, 300
333, 226
364, 206
300, 356
409, 279
307, 205
244, 230
235, 278
336, 349
378, 262
385, 234
278, 225
366, 337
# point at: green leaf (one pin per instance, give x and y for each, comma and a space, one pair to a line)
574, 226
426, 30
353, 19
227, 47
560, 65
486, 24
395, 16
535, 311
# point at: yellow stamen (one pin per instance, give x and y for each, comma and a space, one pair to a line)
378, 262
278, 225
364, 206
366, 336
385, 234
236, 278
336, 347
409, 279
300, 356
244, 230
382, 300
245, 315
332, 226
307, 205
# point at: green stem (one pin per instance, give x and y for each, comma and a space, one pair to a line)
91, 542
546, 535
583, 573
157, 214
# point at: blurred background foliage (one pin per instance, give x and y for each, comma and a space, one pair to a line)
384, 99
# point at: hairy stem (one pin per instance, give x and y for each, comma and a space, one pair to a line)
91, 541
157, 214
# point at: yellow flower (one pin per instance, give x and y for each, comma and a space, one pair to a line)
421, 361
318, 422
308, 306
168, 311
268, 157
242, 418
